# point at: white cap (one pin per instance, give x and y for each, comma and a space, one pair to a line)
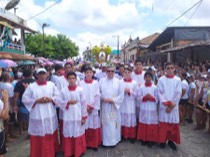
103, 64
41, 70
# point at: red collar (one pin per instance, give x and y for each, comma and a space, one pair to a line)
41, 83
72, 88
172, 76
148, 85
128, 80
138, 73
88, 81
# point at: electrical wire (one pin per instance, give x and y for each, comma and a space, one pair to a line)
193, 13
185, 12
44, 10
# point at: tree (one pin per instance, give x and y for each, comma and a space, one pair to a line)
95, 51
58, 47
108, 51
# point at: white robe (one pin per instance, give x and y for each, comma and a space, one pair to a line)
73, 115
128, 107
148, 110
42, 118
169, 90
110, 113
92, 97
139, 78
62, 82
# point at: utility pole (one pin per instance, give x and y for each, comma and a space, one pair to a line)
90, 52
43, 26
118, 46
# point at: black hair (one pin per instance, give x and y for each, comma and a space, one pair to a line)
5, 76
58, 67
128, 68
184, 75
72, 74
168, 63
88, 68
27, 73
138, 60
68, 63
83, 68
148, 73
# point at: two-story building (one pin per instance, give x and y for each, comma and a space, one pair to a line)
11, 48
177, 44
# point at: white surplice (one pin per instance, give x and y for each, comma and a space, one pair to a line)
62, 82
169, 90
42, 118
110, 113
92, 97
139, 78
73, 114
148, 110
128, 107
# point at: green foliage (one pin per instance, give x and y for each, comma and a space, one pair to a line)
95, 50
108, 50
56, 47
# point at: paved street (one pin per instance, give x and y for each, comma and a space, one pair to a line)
194, 144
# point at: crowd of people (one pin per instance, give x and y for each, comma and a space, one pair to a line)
74, 107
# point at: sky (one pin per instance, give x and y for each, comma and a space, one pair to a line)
92, 22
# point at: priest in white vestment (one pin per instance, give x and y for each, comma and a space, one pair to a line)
112, 94
43, 123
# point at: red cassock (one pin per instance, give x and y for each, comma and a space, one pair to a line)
44, 146
148, 122
93, 137
128, 132
74, 145
169, 131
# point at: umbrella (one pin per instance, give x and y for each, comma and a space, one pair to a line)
47, 63
27, 63
58, 62
5, 63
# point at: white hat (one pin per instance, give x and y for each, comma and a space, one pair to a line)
41, 70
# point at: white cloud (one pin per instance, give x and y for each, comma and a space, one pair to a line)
98, 21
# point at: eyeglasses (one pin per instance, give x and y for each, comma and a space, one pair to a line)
71, 78
170, 68
110, 71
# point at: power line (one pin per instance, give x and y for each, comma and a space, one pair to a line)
184, 12
2, 4
45, 10
193, 13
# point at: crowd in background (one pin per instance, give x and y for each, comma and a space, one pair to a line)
195, 78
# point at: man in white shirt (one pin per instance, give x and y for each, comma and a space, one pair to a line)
4, 115
7, 86
184, 98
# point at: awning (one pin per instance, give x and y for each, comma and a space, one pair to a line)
6, 24
15, 56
